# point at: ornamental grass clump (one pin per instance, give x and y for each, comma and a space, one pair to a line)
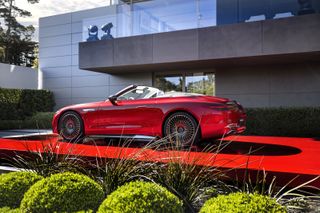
48, 160
184, 176
124, 168
242, 202
142, 197
65, 192
13, 185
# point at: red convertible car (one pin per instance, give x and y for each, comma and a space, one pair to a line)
142, 112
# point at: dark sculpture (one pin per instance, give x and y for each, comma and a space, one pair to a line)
107, 31
305, 7
93, 33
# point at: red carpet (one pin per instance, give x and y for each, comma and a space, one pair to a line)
283, 157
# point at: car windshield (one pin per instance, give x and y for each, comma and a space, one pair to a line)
141, 92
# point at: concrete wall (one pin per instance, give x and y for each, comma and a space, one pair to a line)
271, 86
58, 38
18, 77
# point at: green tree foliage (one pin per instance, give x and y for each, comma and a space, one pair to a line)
16, 45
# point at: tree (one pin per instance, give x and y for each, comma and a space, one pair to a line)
16, 39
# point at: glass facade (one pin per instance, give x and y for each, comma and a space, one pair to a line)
202, 83
147, 17
139, 17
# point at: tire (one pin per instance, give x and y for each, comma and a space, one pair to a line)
70, 126
182, 128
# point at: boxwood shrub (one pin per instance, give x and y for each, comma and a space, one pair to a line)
242, 202
40, 120
141, 197
292, 122
13, 185
9, 210
63, 192
16, 104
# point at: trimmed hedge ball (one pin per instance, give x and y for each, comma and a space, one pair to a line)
64, 192
141, 197
13, 185
242, 202
9, 210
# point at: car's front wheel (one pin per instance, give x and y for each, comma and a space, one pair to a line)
182, 128
70, 126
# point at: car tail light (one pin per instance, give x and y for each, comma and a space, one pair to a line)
232, 105
229, 106
220, 107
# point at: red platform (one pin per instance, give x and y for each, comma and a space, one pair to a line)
283, 157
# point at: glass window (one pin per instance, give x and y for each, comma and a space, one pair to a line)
202, 83
169, 83
207, 13
163, 16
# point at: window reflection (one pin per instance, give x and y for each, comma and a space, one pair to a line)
202, 83
199, 83
169, 83
163, 16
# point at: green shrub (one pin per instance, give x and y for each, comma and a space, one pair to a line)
9, 210
141, 197
41, 120
292, 122
16, 104
12, 124
64, 192
17, 210
13, 185
242, 202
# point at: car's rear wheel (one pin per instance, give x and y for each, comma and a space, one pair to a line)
182, 128
70, 126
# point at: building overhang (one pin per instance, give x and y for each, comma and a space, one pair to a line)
287, 40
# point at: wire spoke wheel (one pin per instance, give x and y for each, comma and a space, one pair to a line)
181, 128
70, 126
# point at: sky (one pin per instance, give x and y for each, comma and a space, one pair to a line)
53, 7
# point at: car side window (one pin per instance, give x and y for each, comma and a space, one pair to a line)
141, 92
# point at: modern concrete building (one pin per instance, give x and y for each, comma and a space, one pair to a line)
262, 53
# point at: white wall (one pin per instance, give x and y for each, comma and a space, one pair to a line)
12, 76
58, 52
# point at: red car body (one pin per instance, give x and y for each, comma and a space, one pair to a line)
216, 116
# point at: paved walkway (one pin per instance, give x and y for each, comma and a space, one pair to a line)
24, 132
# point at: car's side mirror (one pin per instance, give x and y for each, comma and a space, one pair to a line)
113, 99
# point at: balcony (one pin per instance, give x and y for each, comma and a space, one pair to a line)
286, 40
